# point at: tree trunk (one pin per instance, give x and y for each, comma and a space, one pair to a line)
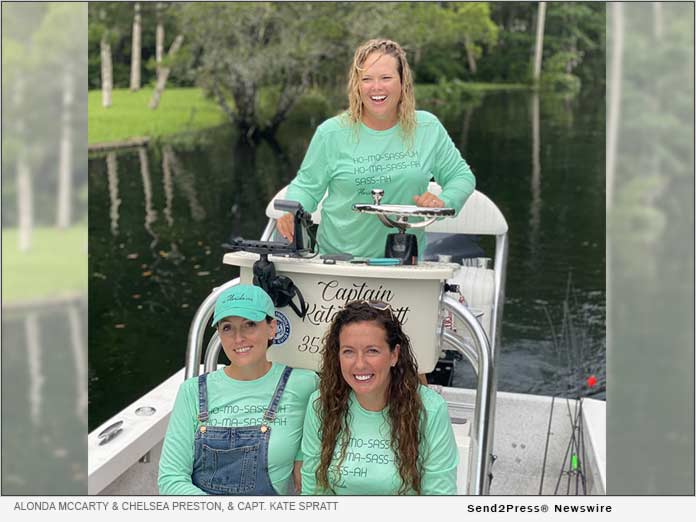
64, 205
106, 70
470, 54
615, 66
25, 203
25, 199
417, 56
244, 94
539, 45
658, 20
223, 103
136, 49
288, 97
159, 39
656, 84
164, 74
570, 64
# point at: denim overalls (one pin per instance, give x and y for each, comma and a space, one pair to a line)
234, 461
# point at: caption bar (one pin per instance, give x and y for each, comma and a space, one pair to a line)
176, 505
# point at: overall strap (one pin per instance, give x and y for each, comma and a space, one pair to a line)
271, 410
203, 398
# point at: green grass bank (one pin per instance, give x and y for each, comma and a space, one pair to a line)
185, 109
180, 110
55, 265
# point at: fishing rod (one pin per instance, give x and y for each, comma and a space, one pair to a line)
574, 458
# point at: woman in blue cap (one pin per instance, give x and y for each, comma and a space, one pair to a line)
237, 430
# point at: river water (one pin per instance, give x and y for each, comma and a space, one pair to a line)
158, 216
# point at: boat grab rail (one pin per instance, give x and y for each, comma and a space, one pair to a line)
480, 356
201, 319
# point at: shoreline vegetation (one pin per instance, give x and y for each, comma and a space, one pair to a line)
129, 122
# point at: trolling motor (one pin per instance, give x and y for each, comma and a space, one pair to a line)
281, 288
401, 245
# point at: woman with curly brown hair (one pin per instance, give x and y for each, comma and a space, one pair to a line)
380, 141
372, 428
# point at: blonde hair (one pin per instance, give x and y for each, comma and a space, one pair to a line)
406, 108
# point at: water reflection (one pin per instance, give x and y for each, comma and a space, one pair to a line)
150, 214
44, 394
79, 353
184, 180
114, 200
214, 184
535, 207
168, 188
36, 375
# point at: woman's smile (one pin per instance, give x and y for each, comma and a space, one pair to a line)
380, 91
366, 362
245, 343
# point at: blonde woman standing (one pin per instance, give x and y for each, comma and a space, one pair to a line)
381, 141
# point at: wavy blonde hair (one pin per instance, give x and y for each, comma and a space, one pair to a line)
406, 108
406, 412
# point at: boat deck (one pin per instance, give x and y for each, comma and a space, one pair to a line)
520, 443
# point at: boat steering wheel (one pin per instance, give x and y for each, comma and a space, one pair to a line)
401, 212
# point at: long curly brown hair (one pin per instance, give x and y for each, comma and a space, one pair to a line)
407, 103
405, 408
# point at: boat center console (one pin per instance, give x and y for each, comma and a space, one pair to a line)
414, 293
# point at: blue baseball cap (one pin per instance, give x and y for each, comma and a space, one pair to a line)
247, 301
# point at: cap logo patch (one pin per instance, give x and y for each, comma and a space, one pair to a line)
233, 298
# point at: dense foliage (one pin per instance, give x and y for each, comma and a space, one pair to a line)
502, 35
38, 50
236, 51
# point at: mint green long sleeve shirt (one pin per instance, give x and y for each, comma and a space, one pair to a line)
349, 168
233, 403
369, 467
